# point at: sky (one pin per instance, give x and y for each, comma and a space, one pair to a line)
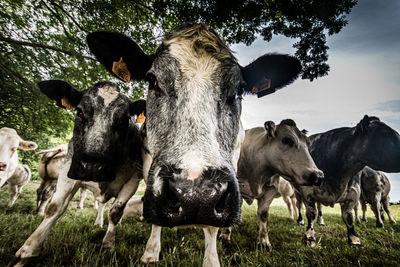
364, 78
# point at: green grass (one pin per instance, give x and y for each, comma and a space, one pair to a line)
75, 241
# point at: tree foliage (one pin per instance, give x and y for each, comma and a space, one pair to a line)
45, 39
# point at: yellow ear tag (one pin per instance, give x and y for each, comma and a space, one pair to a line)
141, 118
65, 103
121, 70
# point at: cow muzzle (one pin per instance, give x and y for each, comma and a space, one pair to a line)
3, 166
315, 178
211, 199
88, 168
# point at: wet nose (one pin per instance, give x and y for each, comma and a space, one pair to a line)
211, 199
316, 178
3, 166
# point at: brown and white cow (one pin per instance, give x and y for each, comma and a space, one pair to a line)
106, 145
50, 166
265, 154
193, 123
10, 171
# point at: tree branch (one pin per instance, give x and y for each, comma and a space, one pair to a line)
33, 44
19, 77
71, 17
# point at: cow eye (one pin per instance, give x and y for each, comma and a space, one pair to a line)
79, 112
287, 141
152, 80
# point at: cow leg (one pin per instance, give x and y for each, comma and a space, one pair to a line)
153, 246
348, 218
293, 200
82, 198
210, 253
42, 206
14, 193
364, 210
286, 199
311, 211
100, 215
96, 204
299, 203
385, 204
262, 212
356, 213
376, 208
226, 234
66, 189
117, 210
320, 219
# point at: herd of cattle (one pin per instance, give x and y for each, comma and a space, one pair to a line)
197, 161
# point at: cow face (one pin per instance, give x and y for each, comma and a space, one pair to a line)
9, 143
287, 151
101, 126
193, 111
378, 145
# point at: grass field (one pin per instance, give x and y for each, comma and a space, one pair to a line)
75, 241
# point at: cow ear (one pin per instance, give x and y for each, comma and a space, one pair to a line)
270, 128
62, 92
362, 126
138, 108
269, 73
27, 145
121, 56
304, 131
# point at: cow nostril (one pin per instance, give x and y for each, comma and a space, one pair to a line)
3, 166
83, 165
221, 186
316, 178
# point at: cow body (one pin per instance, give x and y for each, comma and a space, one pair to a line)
341, 153
193, 126
375, 189
113, 155
49, 168
9, 167
267, 153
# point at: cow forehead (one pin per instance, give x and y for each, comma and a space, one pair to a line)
9, 137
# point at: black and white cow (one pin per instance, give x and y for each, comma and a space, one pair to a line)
106, 146
193, 126
16, 175
375, 189
341, 153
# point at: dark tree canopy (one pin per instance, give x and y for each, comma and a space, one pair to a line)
43, 39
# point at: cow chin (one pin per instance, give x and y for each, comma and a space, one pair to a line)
97, 172
213, 199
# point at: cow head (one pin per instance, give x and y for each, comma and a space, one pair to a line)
377, 145
101, 126
9, 143
194, 106
286, 150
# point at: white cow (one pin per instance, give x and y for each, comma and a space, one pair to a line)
15, 175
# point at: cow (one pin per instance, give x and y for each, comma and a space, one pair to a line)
106, 148
50, 165
17, 181
286, 191
341, 153
17, 176
267, 153
195, 89
375, 188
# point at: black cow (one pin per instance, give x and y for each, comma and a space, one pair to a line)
341, 153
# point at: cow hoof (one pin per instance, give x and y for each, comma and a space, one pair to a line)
379, 225
364, 219
300, 222
266, 246
354, 240
108, 246
19, 262
321, 223
310, 241
148, 258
